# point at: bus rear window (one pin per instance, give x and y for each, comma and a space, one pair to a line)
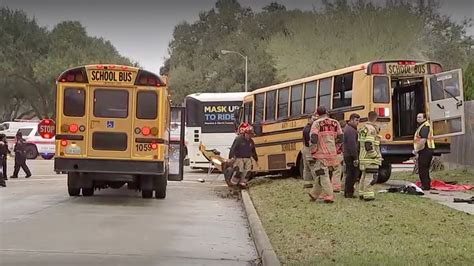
111, 103
381, 90
74, 103
147, 102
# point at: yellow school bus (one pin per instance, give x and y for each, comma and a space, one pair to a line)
113, 128
396, 89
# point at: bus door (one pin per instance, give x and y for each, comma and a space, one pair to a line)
446, 103
110, 122
176, 150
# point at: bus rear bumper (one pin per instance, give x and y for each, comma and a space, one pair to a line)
65, 165
398, 153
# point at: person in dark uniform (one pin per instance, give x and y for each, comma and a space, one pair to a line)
351, 155
424, 146
20, 156
4, 152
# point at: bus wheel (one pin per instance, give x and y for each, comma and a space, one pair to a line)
87, 192
74, 192
147, 194
384, 173
160, 192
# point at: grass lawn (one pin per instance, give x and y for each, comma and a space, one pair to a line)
396, 229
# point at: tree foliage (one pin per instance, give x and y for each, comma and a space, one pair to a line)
286, 44
31, 57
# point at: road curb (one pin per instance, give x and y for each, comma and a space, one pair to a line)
264, 247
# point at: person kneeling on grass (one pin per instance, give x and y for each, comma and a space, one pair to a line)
242, 152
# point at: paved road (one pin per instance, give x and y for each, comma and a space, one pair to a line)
196, 225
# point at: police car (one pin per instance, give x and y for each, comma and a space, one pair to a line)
36, 145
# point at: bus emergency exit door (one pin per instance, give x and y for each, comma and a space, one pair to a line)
176, 147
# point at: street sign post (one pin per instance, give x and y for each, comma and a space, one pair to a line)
47, 128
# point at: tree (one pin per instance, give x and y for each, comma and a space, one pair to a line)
31, 57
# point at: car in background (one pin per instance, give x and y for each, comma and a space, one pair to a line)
9, 128
36, 145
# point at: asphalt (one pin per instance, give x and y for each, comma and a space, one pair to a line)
197, 224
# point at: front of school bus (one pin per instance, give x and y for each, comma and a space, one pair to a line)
403, 88
112, 129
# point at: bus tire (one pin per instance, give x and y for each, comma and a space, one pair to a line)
73, 192
300, 166
87, 192
147, 194
31, 152
385, 170
161, 184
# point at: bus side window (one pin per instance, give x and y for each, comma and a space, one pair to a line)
259, 100
324, 98
310, 97
283, 103
342, 90
270, 106
248, 112
296, 95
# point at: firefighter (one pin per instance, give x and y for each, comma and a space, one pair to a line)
424, 145
326, 134
306, 153
20, 157
242, 152
370, 157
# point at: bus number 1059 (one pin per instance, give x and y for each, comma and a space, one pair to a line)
143, 147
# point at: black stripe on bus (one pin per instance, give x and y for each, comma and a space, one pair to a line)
69, 137
274, 143
379, 119
151, 140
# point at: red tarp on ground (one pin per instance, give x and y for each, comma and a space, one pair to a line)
440, 185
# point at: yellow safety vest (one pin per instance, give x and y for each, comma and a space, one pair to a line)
429, 141
374, 157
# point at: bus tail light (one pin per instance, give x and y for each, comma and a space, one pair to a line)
388, 136
154, 131
154, 146
382, 112
435, 69
82, 128
378, 68
73, 128
407, 63
64, 143
138, 130
146, 131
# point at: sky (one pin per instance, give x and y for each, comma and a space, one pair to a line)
142, 29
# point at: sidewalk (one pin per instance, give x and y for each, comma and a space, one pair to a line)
442, 197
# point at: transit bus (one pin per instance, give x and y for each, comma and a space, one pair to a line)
210, 121
113, 128
396, 89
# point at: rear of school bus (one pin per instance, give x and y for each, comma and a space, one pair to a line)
112, 129
399, 90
